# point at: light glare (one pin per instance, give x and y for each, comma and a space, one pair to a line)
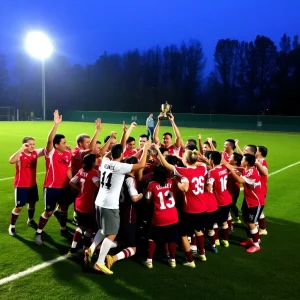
38, 45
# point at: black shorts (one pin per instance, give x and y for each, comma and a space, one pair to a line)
223, 212
88, 221
210, 219
191, 223
164, 234
127, 234
25, 195
251, 214
53, 196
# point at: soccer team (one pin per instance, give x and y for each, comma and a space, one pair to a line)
172, 194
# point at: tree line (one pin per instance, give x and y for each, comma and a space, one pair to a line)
254, 77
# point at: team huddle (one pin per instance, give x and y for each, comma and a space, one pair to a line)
174, 195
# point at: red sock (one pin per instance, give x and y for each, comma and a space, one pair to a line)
172, 248
13, 218
212, 237
255, 236
76, 237
200, 244
189, 256
193, 241
229, 222
42, 223
151, 249
225, 232
262, 223
216, 233
166, 248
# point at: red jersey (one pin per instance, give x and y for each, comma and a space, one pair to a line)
173, 150
194, 198
165, 212
233, 186
264, 178
217, 177
226, 156
26, 168
85, 200
57, 165
98, 163
211, 202
76, 160
252, 188
128, 153
127, 206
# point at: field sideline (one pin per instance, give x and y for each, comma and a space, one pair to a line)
273, 273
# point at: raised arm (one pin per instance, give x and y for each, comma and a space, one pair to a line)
94, 140
200, 144
211, 144
142, 163
163, 160
57, 120
261, 169
111, 140
234, 174
15, 157
132, 125
178, 140
156, 131
123, 137
239, 150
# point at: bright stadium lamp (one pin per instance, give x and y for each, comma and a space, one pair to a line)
39, 46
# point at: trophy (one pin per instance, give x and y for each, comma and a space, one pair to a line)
165, 109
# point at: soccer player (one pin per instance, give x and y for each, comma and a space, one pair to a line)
262, 167
150, 127
253, 194
127, 234
208, 147
130, 149
217, 182
107, 202
58, 175
176, 148
192, 180
233, 186
26, 190
165, 216
143, 139
97, 151
85, 182
229, 147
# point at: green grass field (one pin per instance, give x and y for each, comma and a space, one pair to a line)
272, 273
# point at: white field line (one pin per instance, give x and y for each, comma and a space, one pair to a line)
63, 257
9, 178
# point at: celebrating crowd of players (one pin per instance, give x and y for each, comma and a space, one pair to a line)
172, 194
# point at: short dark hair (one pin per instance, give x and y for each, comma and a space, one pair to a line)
213, 142
130, 139
168, 133
216, 157
163, 149
144, 136
171, 159
207, 143
250, 159
253, 148
80, 138
191, 147
192, 141
106, 138
57, 139
232, 143
98, 142
88, 161
131, 160
207, 154
238, 158
160, 175
26, 139
263, 150
116, 151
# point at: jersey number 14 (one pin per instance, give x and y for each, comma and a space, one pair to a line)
106, 180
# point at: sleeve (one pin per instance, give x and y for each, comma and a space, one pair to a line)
105, 159
48, 154
40, 152
125, 168
131, 187
264, 164
184, 179
249, 178
149, 192
75, 179
210, 179
96, 179
179, 171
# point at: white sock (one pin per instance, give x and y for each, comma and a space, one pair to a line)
105, 247
99, 237
125, 253
114, 245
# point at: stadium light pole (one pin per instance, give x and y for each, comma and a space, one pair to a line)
39, 46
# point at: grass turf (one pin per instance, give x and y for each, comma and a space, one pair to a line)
273, 273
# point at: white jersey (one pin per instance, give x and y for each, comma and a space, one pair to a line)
111, 181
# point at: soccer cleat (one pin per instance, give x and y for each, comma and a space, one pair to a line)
263, 232
247, 243
148, 265
172, 263
12, 231
225, 243
87, 257
103, 269
237, 221
32, 224
202, 257
253, 249
109, 261
217, 242
72, 252
38, 239
214, 249
190, 264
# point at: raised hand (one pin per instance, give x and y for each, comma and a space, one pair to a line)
236, 143
57, 117
199, 137
125, 128
25, 146
133, 124
147, 145
170, 116
98, 124
113, 134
